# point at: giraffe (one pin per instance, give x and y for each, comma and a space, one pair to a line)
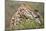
23, 11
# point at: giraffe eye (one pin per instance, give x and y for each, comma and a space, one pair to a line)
37, 16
